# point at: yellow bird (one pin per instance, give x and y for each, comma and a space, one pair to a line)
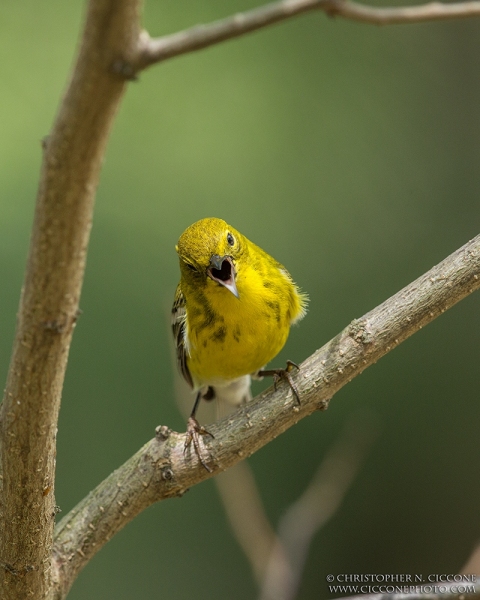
231, 315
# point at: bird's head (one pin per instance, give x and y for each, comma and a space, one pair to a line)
208, 251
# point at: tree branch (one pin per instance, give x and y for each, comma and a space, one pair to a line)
49, 303
154, 50
161, 470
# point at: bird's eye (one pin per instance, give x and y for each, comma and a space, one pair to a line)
191, 267
230, 239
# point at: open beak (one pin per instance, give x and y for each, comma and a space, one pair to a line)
222, 271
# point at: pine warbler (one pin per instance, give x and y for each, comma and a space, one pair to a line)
231, 315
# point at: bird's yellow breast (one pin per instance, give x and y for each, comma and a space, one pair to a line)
228, 337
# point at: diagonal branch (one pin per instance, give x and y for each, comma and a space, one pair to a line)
154, 50
161, 470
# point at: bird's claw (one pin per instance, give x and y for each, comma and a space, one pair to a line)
194, 431
278, 374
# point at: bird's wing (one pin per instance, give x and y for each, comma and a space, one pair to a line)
179, 324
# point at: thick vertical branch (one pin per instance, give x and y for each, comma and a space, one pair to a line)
49, 302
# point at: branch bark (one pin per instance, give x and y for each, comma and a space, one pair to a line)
49, 302
161, 470
154, 50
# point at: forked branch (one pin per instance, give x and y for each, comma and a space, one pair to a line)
154, 50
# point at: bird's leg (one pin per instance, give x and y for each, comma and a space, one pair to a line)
278, 374
194, 431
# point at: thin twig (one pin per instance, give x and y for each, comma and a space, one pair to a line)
315, 507
154, 50
247, 518
162, 470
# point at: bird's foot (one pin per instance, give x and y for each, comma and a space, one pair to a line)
278, 374
194, 431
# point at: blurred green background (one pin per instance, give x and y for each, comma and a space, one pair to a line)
351, 154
